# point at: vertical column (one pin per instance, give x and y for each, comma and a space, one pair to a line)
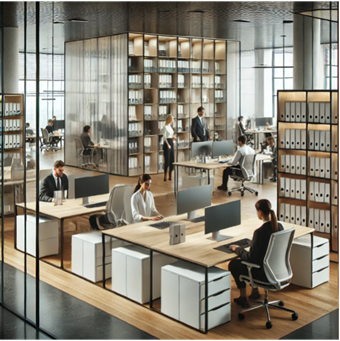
11, 60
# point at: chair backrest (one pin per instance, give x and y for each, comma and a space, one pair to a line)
276, 260
127, 203
44, 134
79, 144
248, 166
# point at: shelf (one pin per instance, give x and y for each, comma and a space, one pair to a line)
151, 152
12, 117
134, 154
298, 150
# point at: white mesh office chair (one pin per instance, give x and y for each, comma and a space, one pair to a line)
48, 142
278, 271
248, 173
85, 159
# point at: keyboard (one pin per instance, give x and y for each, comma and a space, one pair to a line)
198, 219
242, 243
98, 204
163, 225
224, 161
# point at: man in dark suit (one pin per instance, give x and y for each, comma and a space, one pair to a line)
199, 129
56, 181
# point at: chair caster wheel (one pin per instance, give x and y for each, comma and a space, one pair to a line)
229, 193
295, 316
240, 316
281, 304
269, 325
256, 193
242, 194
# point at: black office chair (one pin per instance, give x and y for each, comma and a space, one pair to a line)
48, 142
85, 155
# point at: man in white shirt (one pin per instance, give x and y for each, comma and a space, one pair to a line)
236, 161
199, 130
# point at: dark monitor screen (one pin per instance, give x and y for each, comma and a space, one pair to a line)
59, 124
90, 186
192, 199
200, 148
223, 148
262, 121
220, 217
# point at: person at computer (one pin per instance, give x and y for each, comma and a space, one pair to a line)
89, 145
236, 162
50, 129
257, 251
56, 181
142, 201
168, 146
199, 130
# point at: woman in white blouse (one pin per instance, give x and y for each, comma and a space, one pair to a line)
168, 146
142, 202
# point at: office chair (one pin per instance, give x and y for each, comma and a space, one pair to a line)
85, 159
278, 272
48, 142
248, 172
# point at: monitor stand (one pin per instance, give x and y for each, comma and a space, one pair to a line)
191, 215
85, 201
217, 237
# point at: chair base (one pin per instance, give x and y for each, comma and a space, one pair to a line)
242, 189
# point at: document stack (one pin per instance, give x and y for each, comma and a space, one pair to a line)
179, 126
218, 96
293, 188
180, 111
135, 81
205, 66
132, 113
165, 81
218, 83
294, 112
147, 80
147, 144
320, 167
319, 112
319, 140
294, 164
183, 143
293, 214
160, 163
147, 112
163, 112
319, 192
149, 66
293, 139
11, 125
167, 96
133, 165
12, 109
219, 123
181, 81
166, 65
133, 148
196, 82
195, 67
217, 67
131, 47
320, 220
161, 125
135, 97
147, 163
183, 66
12, 141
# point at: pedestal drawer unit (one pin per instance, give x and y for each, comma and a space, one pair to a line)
310, 265
183, 294
48, 235
131, 272
87, 255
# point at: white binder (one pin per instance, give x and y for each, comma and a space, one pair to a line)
327, 221
328, 140
7, 125
287, 187
10, 141
292, 214
322, 221
303, 216
282, 186
292, 111
322, 162
287, 213
282, 141
327, 193
287, 111
292, 164
292, 188
297, 138
312, 166
303, 112
298, 215
317, 196
311, 217
14, 143
310, 112
311, 139
287, 163
282, 212
322, 140
322, 112
287, 138
328, 112
303, 165
317, 167
316, 219
292, 138
297, 164
317, 139
334, 168
298, 189
303, 139
297, 111
6, 142
311, 191
283, 163
316, 112
303, 189
321, 191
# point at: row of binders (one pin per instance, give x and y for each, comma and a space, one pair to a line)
293, 188
294, 112
163, 112
168, 96
147, 80
161, 125
134, 130
319, 112
10, 125
147, 112
180, 81
293, 214
12, 109
166, 65
196, 66
135, 81
294, 139
133, 164
183, 66
219, 95
147, 144
135, 97
165, 81
207, 82
319, 140
132, 113
180, 111
196, 82
205, 67
319, 192
179, 126
149, 65
133, 147
294, 164
320, 220
219, 123
11, 141
182, 143
320, 167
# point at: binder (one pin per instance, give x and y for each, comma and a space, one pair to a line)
328, 112
292, 214
311, 218
282, 186
282, 141
6, 142
298, 215
317, 167
322, 162
287, 187
298, 189
322, 140
292, 164
327, 193
322, 114
297, 138
322, 219
311, 139
321, 192
310, 112
286, 116
292, 138
311, 191
287, 163
7, 125
316, 219
303, 139
10, 141
283, 163
328, 140
292, 188
287, 213
303, 165
303, 216
312, 166
316, 139
287, 138
297, 164
282, 212
292, 111
297, 111
327, 221
15, 137
334, 168
303, 189
303, 112
316, 112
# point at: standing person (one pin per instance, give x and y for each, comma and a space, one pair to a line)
271, 143
242, 130
199, 129
88, 144
142, 201
168, 146
257, 251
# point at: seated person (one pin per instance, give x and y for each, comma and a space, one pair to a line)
273, 152
267, 127
257, 251
236, 161
50, 129
142, 202
56, 181
88, 144
242, 130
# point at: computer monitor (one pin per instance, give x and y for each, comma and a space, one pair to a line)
90, 186
248, 124
60, 124
262, 121
189, 200
71, 182
220, 217
200, 148
223, 148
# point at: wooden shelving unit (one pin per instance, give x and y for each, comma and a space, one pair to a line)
308, 153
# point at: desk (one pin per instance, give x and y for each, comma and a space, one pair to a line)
256, 135
260, 158
70, 208
197, 248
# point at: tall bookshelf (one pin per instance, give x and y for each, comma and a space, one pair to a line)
308, 137
172, 75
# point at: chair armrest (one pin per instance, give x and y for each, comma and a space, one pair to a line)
251, 265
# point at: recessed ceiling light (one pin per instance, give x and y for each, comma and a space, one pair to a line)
240, 20
78, 20
288, 21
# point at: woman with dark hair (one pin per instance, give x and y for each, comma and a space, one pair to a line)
142, 201
257, 251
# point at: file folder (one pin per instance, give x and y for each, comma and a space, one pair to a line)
311, 139
303, 112
297, 138
334, 168
311, 191
310, 112
297, 164
303, 139
292, 214
316, 219
298, 215
282, 187
328, 140
322, 140
322, 220
6, 142
282, 141
287, 138
303, 165
287, 213
321, 193
287, 111
283, 163
322, 162
292, 164
10, 141
317, 167
327, 221
297, 111
316, 139
327, 193
292, 138
292, 188
312, 166
287, 163
316, 112
298, 189
311, 217
303, 189
303, 216
287, 187
292, 111
282, 212
322, 112
328, 112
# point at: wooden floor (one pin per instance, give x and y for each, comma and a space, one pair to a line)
309, 304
